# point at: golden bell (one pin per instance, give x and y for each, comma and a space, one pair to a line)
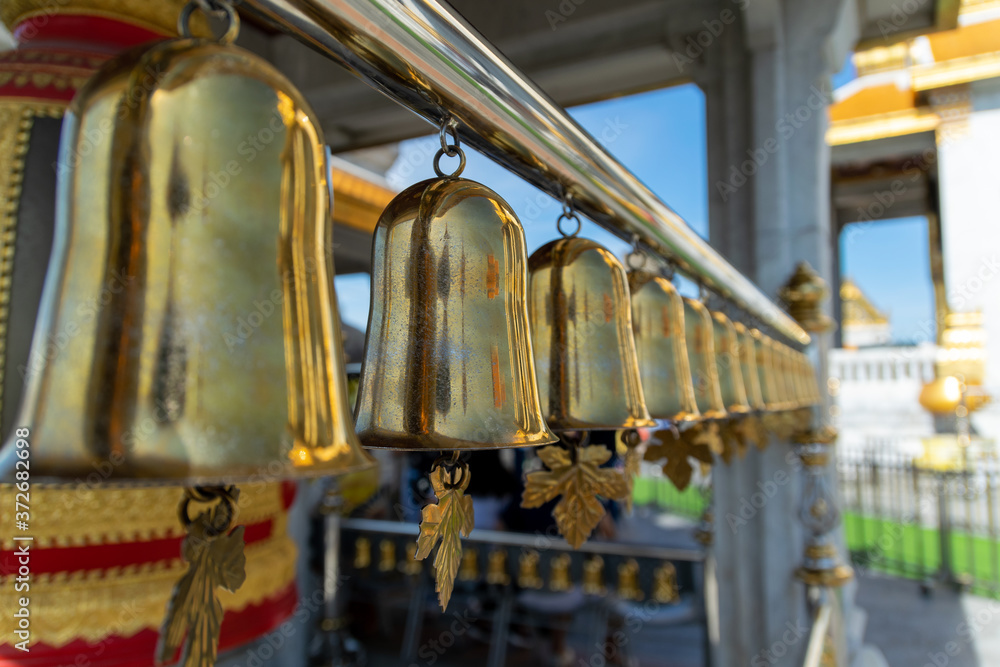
581, 332
728, 364
559, 574
786, 377
808, 385
191, 280
527, 573
748, 367
658, 329
593, 576
700, 337
766, 371
448, 361
628, 580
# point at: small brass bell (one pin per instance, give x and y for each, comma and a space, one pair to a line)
496, 568
207, 346
699, 333
527, 574
581, 332
362, 553
448, 363
658, 327
593, 576
665, 584
628, 581
410, 566
386, 556
766, 371
748, 366
729, 365
559, 577
470, 565
786, 377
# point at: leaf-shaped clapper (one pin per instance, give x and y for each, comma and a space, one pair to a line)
578, 477
677, 450
451, 517
215, 558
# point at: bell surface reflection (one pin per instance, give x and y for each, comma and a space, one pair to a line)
448, 362
581, 329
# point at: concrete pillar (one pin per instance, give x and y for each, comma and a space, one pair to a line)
767, 90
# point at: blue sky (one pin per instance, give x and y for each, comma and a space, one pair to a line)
660, 136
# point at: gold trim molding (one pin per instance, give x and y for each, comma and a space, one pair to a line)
82, 515
97, 604
895, 124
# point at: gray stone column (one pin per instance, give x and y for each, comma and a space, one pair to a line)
767, 91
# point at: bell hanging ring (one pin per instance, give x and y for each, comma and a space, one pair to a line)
448, 362
661, 349
191, 281
728, 363
700, 336
581, 330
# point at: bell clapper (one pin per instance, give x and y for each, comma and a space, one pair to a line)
574, 474
448, 520
214, 553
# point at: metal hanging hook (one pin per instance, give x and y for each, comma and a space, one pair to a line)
219, 9
568, 214
636, 258
449, 124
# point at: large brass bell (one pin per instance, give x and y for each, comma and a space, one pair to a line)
581, 331
658, 327
700, 338
728, 364
588, 378
448, 362
191, 280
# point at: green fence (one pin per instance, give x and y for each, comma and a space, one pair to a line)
660, 492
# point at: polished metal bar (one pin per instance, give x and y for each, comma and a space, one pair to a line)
423, 55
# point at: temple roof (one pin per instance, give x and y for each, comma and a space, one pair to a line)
894, 92
856, 308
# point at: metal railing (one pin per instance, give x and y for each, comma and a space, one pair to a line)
927, 524
423, 55
384, 568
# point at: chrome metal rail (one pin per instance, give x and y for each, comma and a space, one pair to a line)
426, 57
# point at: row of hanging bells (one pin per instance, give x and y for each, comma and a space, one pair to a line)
196, 287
